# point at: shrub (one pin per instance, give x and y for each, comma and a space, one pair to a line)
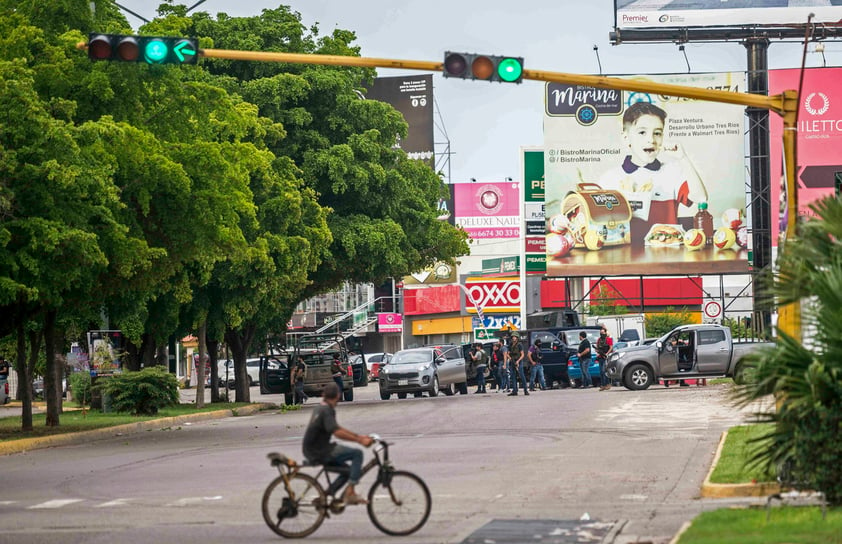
80, 387
143, 392
658, 325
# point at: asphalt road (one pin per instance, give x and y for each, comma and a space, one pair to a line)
502, 469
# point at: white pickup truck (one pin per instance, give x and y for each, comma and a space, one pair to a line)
686, 352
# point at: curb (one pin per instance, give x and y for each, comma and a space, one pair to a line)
721, 491
27, 444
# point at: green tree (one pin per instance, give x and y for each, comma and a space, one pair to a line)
806, 380
383, 205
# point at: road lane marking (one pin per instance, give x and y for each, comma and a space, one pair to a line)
115, 502
55, 503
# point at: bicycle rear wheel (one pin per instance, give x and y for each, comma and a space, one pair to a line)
400, 504
297, 514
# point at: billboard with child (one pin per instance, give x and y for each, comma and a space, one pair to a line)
645, 184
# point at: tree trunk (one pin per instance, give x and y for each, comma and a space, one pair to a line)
239, 342
50, 385
133, 356
200, 370
24, 379
161, 357
213, 356
147, 351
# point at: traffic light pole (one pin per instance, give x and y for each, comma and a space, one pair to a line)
784, 104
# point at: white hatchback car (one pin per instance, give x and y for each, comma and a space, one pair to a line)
252, 368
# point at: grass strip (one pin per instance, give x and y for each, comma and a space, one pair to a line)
72, 421
733, 467
787, 524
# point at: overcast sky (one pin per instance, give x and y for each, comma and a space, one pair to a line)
487, 123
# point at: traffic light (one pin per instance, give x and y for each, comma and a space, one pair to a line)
148, 49
485, 67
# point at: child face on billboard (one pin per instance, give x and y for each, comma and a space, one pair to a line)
645, 137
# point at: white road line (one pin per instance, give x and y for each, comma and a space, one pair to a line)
7, 503
56, 503
115, 502
186, 501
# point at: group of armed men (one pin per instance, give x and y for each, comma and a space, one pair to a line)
508, 362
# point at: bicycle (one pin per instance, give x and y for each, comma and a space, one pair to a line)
295, 504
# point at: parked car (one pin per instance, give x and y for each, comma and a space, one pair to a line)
252, 369
686, 352
373, 362
4, 391
574, 371
428, 370
359, 366
38, 387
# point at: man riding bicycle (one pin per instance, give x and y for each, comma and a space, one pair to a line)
318, 448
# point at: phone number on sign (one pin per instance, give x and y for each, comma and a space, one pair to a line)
493, 233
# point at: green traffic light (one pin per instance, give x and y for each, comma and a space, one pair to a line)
155, 51
509, 70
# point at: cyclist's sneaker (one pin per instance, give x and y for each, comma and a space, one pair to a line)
351, 500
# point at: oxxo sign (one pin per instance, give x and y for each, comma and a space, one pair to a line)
496, 295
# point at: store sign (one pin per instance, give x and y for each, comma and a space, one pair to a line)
389, 322
492, 295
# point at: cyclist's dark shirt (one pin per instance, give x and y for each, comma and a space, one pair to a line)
317, 446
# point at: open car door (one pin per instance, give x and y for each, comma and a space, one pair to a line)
275, 375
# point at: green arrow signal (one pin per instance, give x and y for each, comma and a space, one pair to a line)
180, 50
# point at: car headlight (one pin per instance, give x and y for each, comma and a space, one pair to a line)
422, 368
616, 356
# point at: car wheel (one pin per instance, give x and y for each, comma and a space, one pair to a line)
463, 388
232, 384
447, 390
288, 398
384, 395
348, 395
252, 382
434, 391
401, 395
638, 377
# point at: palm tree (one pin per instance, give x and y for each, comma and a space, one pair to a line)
805, 377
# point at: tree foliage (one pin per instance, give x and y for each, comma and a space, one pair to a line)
175, 199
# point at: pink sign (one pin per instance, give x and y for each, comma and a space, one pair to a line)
818, 143
487, 210
389, 322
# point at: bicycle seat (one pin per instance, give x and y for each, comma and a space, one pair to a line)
278, 459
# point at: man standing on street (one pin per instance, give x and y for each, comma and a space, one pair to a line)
319, 449
536, 366
4, 369
604, 347
584, 354
516, 360
481, 364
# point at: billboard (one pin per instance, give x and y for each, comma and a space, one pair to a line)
413, 97
819, 140
700, 13
535, 253
644, 184
487, 210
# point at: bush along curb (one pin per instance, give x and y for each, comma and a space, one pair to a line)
721, 491
27, 444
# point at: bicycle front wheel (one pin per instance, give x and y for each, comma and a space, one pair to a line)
297, 513
399, 504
